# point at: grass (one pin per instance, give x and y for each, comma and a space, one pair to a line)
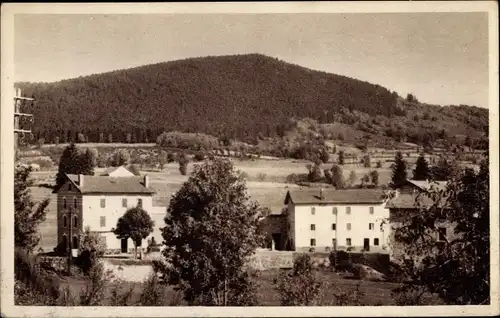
375, 293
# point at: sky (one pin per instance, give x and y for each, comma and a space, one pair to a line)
442, 58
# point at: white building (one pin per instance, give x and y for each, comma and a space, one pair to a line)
98, 202
324, 219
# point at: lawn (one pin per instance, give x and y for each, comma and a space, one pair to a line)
372, 293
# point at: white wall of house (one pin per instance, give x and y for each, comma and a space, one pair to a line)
115, 207
359, 220
89, 212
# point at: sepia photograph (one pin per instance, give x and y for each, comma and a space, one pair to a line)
295, 159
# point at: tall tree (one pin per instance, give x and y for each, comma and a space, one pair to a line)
341, 157
443, 170
374, 176
456, 267
337, 176
69, 163
28, 214
135, 224
211, 228
398, 171
421, 171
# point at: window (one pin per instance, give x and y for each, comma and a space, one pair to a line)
124, 202
65, 221
348, 210
75, 221
103, 203
139, 203
75, 202
313, 210
334, 210
348, 225
442, 234
334, 226
371, 226
348, 241
375, 242
75, 242
313, 227
372, 210
313, 242
65, 205
103, 221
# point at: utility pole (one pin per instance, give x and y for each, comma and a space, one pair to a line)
18, 100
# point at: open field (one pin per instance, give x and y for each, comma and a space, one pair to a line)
266, 183
375, 293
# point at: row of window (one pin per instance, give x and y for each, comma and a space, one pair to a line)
371, 226
347, 242
65, 221
75, 221
103, 203
347, 210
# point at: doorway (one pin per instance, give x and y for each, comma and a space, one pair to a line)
366, 244
124, 245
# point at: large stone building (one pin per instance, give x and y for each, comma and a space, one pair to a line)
98, 202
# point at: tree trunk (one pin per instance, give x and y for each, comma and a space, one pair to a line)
135, 249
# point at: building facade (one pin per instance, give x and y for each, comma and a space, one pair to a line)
98, 202
326, 219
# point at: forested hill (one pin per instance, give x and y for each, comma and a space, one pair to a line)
240, 97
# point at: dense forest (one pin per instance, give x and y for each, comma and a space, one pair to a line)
245, 97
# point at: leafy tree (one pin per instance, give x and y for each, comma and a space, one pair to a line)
341, 157
314, 174
374, 177
364, 180
170, 157
398, 171
300, 287
134, 169
135, 224
211, 228
28, 214
337, 177
352, 178
367, 163
120, 157
444, 169
457, 268
183, 163
379, 164
421, 171
162, 159
324, 156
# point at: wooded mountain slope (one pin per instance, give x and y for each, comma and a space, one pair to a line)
240, 97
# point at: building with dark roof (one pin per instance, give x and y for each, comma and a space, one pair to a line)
325, 219
98, 202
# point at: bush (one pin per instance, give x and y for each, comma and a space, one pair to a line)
199, 156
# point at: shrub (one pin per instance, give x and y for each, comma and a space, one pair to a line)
199, 156
153, 293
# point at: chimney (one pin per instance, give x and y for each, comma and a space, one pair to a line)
321, 195
80, 180
146, 181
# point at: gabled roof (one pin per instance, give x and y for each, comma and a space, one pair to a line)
426, 185
109, 171
333, 196
110, 185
